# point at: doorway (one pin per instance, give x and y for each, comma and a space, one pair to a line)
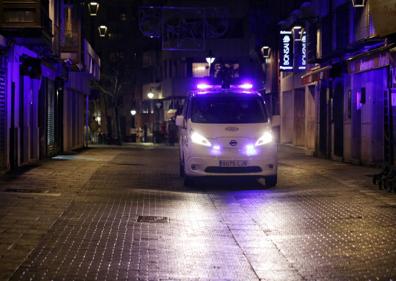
287, 117
13, 132
338, 118
299, 117
323, 120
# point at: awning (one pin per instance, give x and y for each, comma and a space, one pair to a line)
315, 74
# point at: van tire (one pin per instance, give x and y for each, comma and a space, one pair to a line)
189, 181
271, 181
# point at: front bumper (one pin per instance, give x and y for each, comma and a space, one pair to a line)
203, 162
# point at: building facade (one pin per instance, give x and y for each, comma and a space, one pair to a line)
36, 78
340, 106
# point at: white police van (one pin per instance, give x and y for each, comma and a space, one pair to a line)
226, 132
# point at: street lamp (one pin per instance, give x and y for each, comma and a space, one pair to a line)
150, 95
133, 112
93, 8
210, 59
102, 30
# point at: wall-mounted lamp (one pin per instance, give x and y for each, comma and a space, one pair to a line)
358, 3
102, 30
93, 8
150, 95
266, 51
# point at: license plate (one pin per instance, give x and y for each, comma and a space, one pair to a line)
233, 163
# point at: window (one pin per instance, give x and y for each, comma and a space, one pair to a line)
200, 69
228, 109
19, 15
231, 69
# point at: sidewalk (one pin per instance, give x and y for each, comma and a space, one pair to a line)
141, 145
31, 202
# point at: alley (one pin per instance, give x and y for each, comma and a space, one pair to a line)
123, 214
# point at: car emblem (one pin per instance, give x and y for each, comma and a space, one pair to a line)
232, 129
233, 142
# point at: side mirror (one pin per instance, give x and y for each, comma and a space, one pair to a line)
180, 121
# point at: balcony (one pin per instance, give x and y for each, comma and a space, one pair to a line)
26, 19
70, 45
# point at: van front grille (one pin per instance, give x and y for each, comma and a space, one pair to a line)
232, 170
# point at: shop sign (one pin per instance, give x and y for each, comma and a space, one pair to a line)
286, 51
300, 52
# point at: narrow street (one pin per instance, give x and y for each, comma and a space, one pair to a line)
124, 214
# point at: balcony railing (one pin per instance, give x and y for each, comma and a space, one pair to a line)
23, 17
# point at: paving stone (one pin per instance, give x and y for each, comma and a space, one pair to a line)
324, 221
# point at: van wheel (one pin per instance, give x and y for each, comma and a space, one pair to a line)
189, 181
271, 181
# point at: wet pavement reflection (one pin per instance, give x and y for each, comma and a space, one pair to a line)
137, 222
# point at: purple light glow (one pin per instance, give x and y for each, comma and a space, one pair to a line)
216, 149
246, 86
250, 150
203, 86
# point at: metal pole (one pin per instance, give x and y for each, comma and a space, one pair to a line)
86, 120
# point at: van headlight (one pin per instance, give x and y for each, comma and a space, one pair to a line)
199, 139
266, 138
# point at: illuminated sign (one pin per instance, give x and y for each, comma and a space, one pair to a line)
286, 51
300, 51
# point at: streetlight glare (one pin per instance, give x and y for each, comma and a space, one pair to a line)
210, 60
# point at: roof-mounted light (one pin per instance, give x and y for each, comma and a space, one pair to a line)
246, 86
204, 86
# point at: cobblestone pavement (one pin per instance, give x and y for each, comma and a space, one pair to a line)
123, 214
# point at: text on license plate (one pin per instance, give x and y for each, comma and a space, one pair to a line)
233, 163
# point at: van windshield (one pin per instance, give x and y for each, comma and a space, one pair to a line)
228, 109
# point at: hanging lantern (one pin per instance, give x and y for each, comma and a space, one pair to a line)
93, 8
358, 3
102, 30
